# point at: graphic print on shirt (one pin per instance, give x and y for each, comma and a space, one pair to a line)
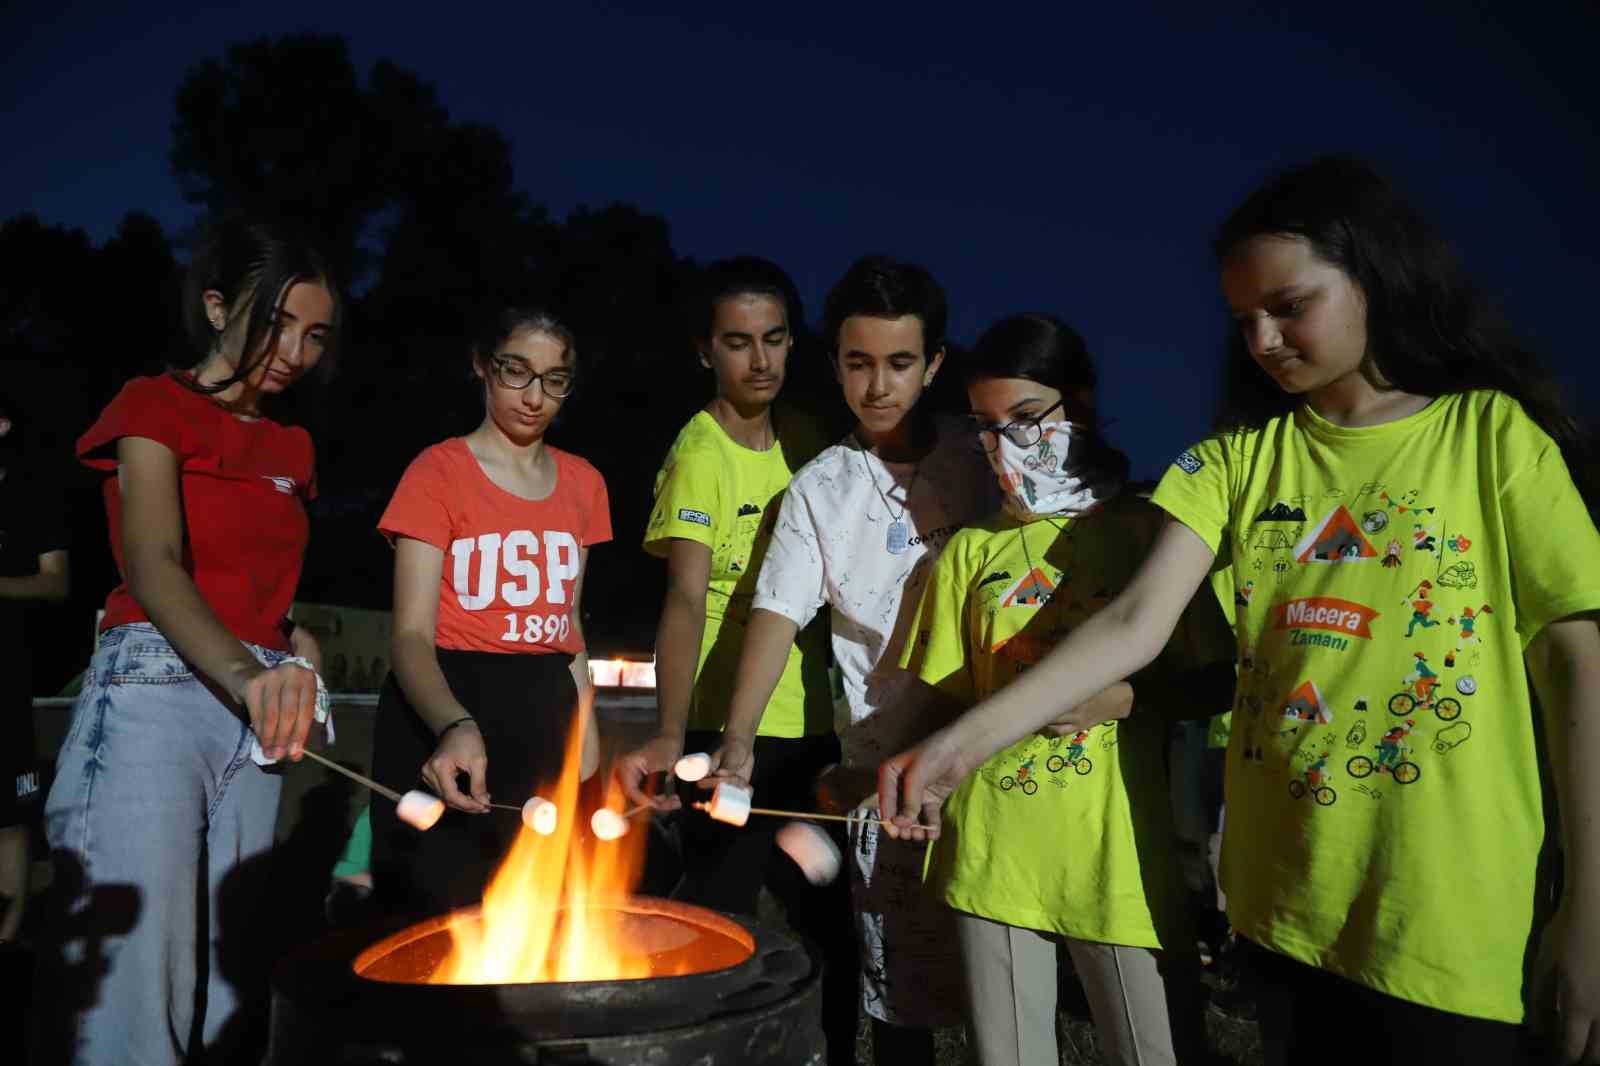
1314, 782
1441, 639
1034, 589
1073, 757
1336, 539
1324, 621
1272, 538
1063, 759
499, 570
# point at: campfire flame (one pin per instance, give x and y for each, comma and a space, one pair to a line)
540, 920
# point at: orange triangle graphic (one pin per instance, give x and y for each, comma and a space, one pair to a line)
1336, 539
1034, 588
1306, 703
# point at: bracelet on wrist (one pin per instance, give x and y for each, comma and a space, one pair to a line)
459, 721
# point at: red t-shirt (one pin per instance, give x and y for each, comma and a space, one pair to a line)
510, 564
244, 487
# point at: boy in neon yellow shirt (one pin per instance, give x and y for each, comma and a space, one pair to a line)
716, 497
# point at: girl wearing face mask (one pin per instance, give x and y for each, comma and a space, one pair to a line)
1062, 840
491, 533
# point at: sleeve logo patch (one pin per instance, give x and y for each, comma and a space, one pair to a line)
697, 517
1189, 463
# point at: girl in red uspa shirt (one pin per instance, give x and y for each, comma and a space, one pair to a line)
491, 532
156, 797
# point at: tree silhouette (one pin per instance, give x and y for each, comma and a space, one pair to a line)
425, 221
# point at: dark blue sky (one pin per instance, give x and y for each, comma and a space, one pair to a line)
1070, 161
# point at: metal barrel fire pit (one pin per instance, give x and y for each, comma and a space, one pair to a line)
730, 991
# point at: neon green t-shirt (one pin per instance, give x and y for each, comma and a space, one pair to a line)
1383, 787
1069, 835
716, 492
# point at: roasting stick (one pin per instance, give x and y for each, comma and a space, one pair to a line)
810, 816
420, 810
805, 815
389, 792
352, 775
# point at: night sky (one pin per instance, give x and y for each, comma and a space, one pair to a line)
1074, 163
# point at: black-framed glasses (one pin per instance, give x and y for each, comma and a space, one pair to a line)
1023, 432
515, 374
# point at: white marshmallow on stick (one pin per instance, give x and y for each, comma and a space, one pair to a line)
419, 809
607, 824
813, 850
540, 815
729, 803
692, 767
416, 808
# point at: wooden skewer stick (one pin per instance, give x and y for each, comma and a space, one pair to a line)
507, 807
636, 810
352, 775
813, 815
807, 815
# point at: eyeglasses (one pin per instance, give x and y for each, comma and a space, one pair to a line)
1023, 432
515, 374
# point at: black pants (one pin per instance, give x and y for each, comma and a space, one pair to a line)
725, 867
1310, 1015
20, 794
524, 705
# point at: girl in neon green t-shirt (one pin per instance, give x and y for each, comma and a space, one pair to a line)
1062, 840
1390, 452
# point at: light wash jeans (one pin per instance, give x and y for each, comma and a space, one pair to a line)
159, 825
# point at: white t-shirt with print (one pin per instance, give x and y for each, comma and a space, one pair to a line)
831, 547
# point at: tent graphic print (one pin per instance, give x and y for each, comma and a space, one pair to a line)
1306, 704
1335, 539
1032, 591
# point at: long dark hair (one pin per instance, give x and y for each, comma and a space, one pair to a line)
1429, 330
1043, 348
252, 263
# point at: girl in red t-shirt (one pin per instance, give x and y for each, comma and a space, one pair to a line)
156, 795
491, 533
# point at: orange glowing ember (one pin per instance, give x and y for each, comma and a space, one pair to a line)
551, 913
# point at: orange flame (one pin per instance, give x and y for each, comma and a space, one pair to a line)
539, 921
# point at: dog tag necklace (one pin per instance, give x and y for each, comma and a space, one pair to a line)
899, 535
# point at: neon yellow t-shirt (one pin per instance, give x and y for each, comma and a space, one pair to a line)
1383, 788
716, 492
1070, 835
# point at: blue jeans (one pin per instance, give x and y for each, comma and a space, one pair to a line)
159, 826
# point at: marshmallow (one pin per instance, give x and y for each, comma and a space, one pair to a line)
540, 816
420, 809
692, 767
812, 850
607, 824
730, 803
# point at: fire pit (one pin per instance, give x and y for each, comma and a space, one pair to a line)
560, 964
730, 991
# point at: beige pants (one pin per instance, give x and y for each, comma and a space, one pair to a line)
1145, 1003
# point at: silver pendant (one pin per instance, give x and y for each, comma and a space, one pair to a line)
899, 538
